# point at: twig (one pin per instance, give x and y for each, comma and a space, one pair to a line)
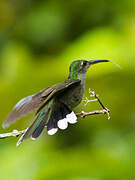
86, 100
93, 94
16, 133
96, 96
84, 114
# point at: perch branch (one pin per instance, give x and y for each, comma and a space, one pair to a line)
16, 133
84, 114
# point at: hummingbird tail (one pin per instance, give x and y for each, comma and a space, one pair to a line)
54, 115
38, 125
61, 115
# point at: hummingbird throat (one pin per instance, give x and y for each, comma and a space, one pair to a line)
77, 76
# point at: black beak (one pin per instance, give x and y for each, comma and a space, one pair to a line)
97, 61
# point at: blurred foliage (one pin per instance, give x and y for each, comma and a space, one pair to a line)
38, 41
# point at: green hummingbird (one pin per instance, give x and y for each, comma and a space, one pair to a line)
55, 104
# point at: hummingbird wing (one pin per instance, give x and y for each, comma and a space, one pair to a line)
26, 105
29, 103
59, 88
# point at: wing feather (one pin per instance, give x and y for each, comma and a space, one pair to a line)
26, 105
60, 87
29, 103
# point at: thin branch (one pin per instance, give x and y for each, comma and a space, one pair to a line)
16, 133
93, 94
84, 114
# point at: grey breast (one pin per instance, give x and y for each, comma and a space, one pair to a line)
72, 97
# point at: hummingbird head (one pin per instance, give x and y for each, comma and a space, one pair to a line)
80, 67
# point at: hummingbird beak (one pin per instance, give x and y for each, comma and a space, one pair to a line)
97, 61
102, 60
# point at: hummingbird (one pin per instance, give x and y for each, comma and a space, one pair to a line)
54, 104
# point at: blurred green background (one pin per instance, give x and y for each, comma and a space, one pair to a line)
38, 41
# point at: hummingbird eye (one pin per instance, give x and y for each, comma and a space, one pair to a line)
84, 63
81, 63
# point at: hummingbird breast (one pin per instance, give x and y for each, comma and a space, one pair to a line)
72, 96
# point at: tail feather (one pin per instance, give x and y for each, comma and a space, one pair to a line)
38, 130
38, 125
61, 115
54, 115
